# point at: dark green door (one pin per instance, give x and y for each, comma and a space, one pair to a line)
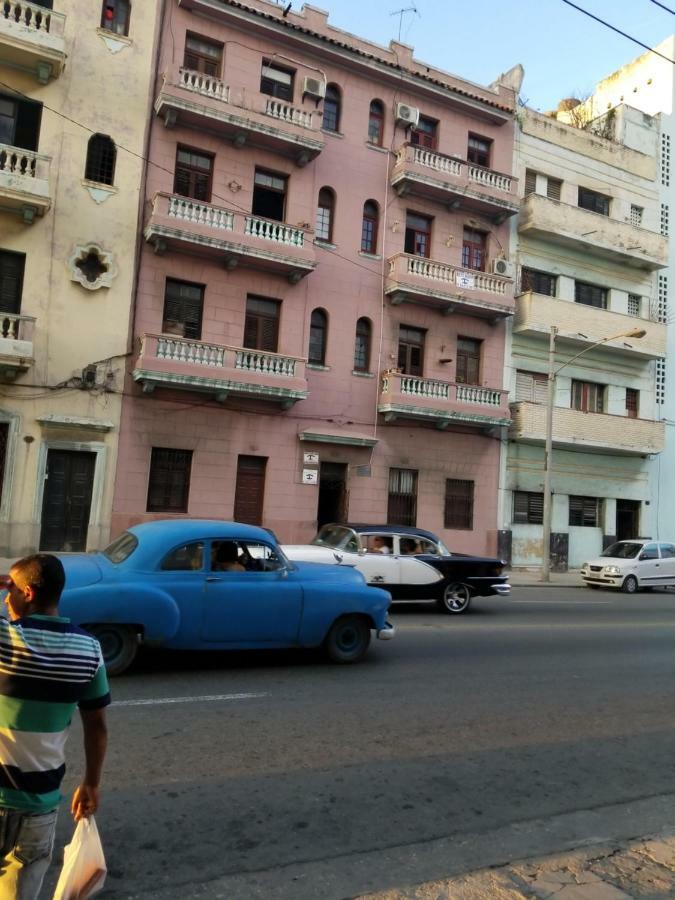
67, 500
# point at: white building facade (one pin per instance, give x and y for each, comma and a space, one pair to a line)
589, 252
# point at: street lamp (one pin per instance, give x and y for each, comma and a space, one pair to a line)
548, 452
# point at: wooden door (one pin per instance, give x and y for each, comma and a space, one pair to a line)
249, 493
66, 504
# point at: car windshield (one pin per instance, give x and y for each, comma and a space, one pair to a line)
337, 537
622, 550
121, 548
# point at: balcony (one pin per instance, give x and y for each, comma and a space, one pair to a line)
206, 103
593, 432
24, 182
179, 363
585, 325
421, 172
426, 282
589, 232
31, 39
16, 344
179, 224
442, 403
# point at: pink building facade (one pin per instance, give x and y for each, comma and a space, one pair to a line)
324, 283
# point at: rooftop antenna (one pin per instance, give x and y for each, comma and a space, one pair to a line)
400, 12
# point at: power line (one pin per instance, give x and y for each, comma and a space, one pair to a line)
667, 9
625, 34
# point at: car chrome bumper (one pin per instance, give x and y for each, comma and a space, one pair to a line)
502, 589
386, 633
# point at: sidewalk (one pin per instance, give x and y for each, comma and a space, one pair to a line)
532, 578
642, 869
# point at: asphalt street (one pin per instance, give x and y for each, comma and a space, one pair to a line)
529, 725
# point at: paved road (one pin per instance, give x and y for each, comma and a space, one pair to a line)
530, 724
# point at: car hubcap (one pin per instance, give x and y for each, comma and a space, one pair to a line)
456, 599
348, 639
111, 644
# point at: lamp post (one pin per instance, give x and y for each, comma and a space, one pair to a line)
548, 451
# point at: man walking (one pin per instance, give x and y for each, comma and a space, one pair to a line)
47, 668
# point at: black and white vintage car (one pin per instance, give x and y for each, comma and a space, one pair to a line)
410, 563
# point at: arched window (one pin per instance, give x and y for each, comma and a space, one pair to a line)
101, 156
115, 16
318, 332
331, 108
324, 214
376, 123
371, 215
362, 345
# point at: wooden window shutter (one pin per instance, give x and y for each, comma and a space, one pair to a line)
530, 182
11, 281
553, 188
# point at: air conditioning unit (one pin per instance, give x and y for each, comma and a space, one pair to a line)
502, 267
409, 115
314, 87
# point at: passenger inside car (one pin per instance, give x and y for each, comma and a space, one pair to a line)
379, 544
226, 557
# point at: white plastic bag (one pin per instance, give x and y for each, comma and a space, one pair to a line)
84, 868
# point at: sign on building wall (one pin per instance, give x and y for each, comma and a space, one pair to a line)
310, 476
465, 280
310, 459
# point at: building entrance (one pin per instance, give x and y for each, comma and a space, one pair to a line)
332, 493
627, 519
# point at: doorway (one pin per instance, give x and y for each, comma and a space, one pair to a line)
249, 494
332, 493
627, 519
66, 504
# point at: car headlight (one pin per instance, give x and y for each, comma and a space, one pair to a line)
612, 570
584, 565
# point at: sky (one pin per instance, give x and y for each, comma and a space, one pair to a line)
564, 52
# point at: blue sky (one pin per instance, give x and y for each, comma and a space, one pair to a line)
564, 52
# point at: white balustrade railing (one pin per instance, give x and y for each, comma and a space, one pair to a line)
207, 85
279, 109
422, 156
31, 16
15, 327
424, 387
195, 352
433, 389
490, 179
274, 231
446, 274
468, 393
16, 161
220, 356
265, 363
201, 213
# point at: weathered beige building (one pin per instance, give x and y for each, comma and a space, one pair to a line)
75, 87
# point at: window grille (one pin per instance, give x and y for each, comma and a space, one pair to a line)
660, 382
662, 305
402, 501
665, 219
530, 181
101, 158
665, 160
634, 304
636, 215
169, 482
585, 511
458, 511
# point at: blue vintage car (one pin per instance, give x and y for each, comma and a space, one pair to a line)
190, 584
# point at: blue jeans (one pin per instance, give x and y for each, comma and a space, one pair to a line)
26, 844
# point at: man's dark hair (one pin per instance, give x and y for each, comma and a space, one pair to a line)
45, 574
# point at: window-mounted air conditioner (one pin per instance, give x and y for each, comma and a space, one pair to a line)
314, 87
409, 115
502, 267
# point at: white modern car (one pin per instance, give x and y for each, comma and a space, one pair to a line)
632, 566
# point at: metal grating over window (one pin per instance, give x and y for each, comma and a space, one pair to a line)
665, 160
634, 304
458, 511
528, 508
169, 482
662, 306
636, 215
101, 158
402, 504
660, 382
665, 219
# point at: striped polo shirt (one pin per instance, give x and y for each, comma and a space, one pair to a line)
47, 668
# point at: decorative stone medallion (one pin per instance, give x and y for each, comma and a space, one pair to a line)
92, 266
